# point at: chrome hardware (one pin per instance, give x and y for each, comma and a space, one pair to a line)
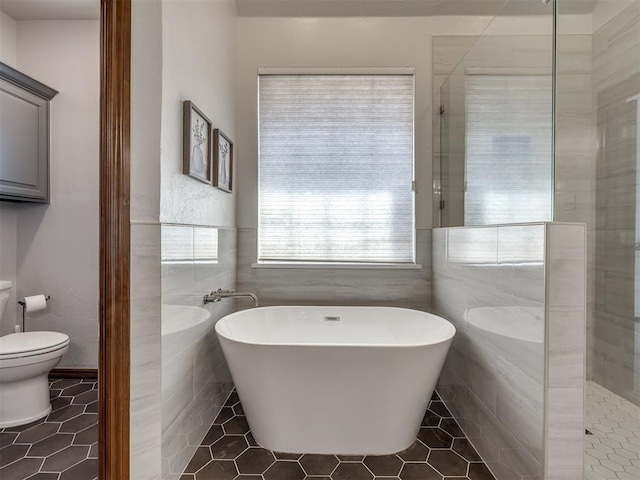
331, 319
219, 294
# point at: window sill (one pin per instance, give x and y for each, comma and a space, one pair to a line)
338, 266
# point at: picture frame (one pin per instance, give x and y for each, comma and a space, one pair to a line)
222, 161
197, 144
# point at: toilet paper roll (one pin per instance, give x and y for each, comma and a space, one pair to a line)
35, 303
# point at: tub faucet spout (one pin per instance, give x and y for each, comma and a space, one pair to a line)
220, 294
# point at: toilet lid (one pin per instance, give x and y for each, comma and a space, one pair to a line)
31, 343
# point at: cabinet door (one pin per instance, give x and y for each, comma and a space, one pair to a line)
24, 145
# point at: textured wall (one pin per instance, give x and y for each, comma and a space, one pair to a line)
58, 243
199, 64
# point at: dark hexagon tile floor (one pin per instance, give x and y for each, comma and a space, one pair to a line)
62, 446
441, 452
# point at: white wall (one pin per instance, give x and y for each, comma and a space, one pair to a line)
199, 56
8, 218
338, 42
58, 243
8, 40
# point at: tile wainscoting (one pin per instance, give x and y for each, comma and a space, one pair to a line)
195, 377
516, 367
340, 286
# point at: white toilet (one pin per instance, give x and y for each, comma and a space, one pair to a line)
25, 362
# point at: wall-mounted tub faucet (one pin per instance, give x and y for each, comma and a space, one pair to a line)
220, 294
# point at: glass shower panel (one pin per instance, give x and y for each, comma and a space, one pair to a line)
496, 123
597, 180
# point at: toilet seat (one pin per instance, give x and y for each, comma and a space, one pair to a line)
27, 344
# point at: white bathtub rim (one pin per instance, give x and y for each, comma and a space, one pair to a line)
438, 341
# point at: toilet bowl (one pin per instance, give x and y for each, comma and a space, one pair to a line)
26, 359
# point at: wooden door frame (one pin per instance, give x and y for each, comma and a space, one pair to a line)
114, 357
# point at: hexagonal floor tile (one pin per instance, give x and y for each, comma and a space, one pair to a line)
65, 458
431, 419
65, 413
450, 426
319, 464
351, 471
464, 448
86, 398
37, 433
76, 390
415, 453
419, 471
214, 434
87, 436
479, 471
284, 470
255, 461
435, 438
229, 447
12, 453
199, 460
384, 465
7, 438
23, 468
287, 456
84, 469
448, 463
79, 423
51, 445
236, 425
218, 470
225, 414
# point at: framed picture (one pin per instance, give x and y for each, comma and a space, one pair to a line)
196, 144
222, 161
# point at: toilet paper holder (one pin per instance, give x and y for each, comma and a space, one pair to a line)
23, 304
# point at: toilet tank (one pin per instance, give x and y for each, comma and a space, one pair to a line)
5, 286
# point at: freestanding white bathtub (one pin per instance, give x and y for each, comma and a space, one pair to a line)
335, 380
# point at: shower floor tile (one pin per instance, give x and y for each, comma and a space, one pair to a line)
61, 446
441, 452
612, 446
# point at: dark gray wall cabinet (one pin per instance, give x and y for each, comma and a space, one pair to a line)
24, 137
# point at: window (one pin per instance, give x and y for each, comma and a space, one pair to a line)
509, 165
336, 168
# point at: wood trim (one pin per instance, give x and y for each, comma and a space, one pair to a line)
74, 373
114, 361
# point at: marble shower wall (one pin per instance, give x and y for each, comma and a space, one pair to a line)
615, 358
195, 377
490, 282
408, 288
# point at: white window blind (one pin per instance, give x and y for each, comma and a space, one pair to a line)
509, 164
336, 168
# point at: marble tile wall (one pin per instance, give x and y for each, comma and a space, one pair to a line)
616, 330
576, 148
195, 378
566, 292
489, 282
145, 352
503, 287
335, 286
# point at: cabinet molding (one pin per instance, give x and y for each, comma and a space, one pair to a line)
24, 137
